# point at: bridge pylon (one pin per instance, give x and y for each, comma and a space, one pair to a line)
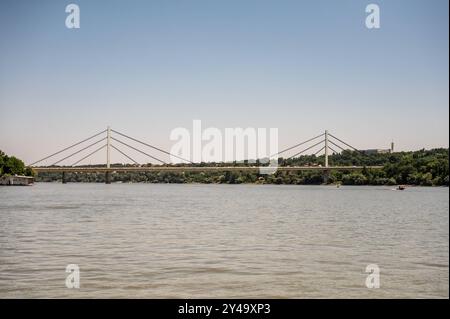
108, 155
326, 148
108, 147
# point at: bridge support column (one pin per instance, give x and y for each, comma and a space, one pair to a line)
326, 176
64, 181
326, 149
108, 178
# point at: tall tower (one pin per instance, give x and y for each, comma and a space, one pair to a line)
326, 148
108, 147
392, 147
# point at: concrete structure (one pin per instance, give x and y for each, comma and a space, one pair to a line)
108, 147
180, 169
16, 180
380, 151
377, 151
326, 148
329, 139
108, 155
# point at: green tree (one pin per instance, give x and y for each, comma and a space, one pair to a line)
13, 166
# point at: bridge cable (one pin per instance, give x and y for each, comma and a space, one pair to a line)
68, 148
75, 153
336, 145
343, 142
319, 150
154, 147
332, 149
297, 145
134, 148
90, 154
124, 154
306, 149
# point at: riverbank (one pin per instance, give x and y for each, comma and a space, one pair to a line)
255, 184
280, 178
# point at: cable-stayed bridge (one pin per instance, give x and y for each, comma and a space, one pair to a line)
113, 140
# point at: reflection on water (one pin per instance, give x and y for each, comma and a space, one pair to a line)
154, 241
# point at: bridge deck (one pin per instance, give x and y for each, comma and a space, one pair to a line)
192, 169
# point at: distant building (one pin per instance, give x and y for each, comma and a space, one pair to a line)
377, 151
380, 151
18, 180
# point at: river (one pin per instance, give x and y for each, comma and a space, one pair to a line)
223, 241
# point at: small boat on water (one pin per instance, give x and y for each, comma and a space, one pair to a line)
401, 187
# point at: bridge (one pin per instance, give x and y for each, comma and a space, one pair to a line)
113, 138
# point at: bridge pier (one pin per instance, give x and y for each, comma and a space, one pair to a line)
64, 181
326, 176
108, 178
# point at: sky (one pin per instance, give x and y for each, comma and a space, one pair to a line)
147, 67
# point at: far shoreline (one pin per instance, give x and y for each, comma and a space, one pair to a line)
255, 184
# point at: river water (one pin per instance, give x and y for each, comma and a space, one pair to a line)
229, 241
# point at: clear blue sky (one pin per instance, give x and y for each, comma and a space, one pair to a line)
146, 67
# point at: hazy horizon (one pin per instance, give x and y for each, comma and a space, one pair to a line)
147, 67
